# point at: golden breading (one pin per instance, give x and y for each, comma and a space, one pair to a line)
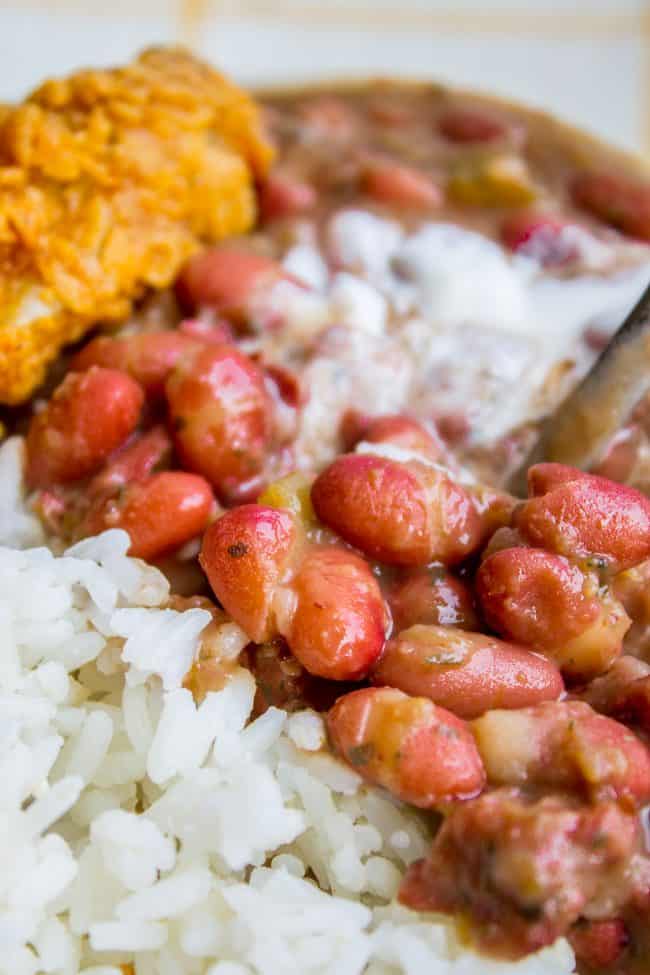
109, 180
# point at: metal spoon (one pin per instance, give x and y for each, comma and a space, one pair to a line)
584, 423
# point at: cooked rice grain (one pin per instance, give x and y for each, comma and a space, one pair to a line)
137, 828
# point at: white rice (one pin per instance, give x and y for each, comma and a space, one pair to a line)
136, 827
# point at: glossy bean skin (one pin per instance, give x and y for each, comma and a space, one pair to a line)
245, 555
467, 673
544, 602
338, 623
431, 595
220, 415
394, 183
470, 125
160, 512
227, 279
323, 599
589, 517
134, 462
149, 357
521, 871
88, 417
399, 513
564, 745
419, 752
621, 202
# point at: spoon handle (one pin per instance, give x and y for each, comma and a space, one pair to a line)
584, 423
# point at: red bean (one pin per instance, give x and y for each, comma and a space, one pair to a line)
467, 673
623, 692
160, 513
89, 415
135, 462
399, 185
615, 199
544, 602
148, 357
220, 412
339, 621
353, 427
227, 279
542, 478
610, 757
466, 125
541, 236
245, 555
395, 428
284, 196
599, 944
286, 385
208, 332
431, 595
604, 694
454, 427
564, 745
590, 517
419, 752
404, 432
402, 514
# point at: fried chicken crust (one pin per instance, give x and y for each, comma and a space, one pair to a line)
109, 180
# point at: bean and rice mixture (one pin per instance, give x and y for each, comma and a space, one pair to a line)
290, 683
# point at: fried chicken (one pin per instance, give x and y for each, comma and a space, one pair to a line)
109, 180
